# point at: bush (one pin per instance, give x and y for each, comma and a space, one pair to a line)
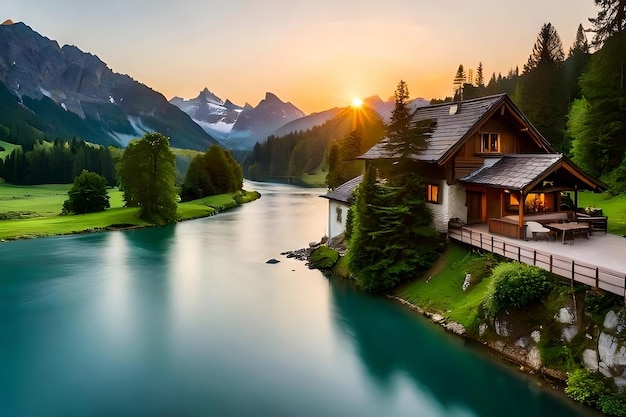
87, 195
616, 180
515, 285
613, 405
585, 387
324, 258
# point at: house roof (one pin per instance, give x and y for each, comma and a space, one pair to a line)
523, 172
344, 192
452, 123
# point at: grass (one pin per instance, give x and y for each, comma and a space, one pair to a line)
33, 211
8, 148
443, 292
612, 206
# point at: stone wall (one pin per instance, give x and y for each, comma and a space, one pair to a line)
452, 205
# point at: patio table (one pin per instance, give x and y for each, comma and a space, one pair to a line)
570, 228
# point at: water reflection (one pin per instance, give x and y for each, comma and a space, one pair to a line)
392, 342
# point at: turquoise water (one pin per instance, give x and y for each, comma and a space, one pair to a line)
189, 320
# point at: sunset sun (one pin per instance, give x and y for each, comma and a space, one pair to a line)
357, 102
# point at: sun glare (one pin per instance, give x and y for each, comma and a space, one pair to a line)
357, 102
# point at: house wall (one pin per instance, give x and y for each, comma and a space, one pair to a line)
336, 226
452, 205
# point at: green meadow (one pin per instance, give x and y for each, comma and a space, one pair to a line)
34, 211
612, 206
6, 148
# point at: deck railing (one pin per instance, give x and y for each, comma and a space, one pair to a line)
574, 270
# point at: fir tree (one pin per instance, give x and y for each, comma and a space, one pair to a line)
611, 19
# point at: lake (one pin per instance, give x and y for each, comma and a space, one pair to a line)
189, 320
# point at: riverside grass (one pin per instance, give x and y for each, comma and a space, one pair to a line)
33, 211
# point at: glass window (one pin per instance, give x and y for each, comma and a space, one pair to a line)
432, 193
490, 142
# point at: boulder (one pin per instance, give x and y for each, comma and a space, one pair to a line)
569, 333
536, 335
523, 342
590, 359
502, 328
611, 353
482, 329
323, 258
534, 358
565, 316
610, 320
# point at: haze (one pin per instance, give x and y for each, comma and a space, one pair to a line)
317, 55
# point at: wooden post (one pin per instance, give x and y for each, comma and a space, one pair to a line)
520, 216
491, 244
597, 278
519, 254
534, 258
550, 263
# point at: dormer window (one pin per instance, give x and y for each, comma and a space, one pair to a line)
490, 142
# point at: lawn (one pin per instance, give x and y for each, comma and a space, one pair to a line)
612, 206
8, 148
440, 289
32, 211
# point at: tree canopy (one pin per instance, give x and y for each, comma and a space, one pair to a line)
611, 19
147, 172
214, 172
87, 195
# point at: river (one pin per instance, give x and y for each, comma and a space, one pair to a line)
189, 320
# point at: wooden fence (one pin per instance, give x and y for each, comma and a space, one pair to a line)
591, 275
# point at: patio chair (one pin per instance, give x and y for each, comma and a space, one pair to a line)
535, 228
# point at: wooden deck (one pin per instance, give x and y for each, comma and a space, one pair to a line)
599, 261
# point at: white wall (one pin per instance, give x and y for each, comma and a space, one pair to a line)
336, 227
452, 205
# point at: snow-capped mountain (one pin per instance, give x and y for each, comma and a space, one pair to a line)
238, 128
73, 93
214, 115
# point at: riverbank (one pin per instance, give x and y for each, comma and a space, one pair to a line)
32, 212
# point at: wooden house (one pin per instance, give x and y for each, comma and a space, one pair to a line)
486, 163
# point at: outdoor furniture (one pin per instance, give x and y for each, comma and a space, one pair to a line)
535, 228
598, 223
570, 229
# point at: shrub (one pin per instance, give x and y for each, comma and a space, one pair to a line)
515, 285
324, 258
585, 387
613, 405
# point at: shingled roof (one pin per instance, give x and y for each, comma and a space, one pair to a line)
451, 124
522, 172
344, 192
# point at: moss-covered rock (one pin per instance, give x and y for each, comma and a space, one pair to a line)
323, 257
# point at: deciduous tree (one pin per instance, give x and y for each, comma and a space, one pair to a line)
87, 195
147, 172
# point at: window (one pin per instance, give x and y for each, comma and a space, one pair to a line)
490, 142
339, 214
432, 195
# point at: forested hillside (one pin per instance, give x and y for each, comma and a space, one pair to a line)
304, 152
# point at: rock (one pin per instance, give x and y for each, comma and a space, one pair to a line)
500, 345
522, 342
437, 318
610, 320
502, 328
272, 261
569, 333
534, 358
535, 335
456, 328
620, 382
610, 352
482, 329
323, 257
565, 316
590, 359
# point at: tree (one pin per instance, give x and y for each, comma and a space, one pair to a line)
459, 80
576, 61
611, 19
147, 171
541, 92
599, 125
87, 195
547, 50
480, 78
404, 138
342, 163
214, 172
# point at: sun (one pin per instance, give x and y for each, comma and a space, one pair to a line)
357, 102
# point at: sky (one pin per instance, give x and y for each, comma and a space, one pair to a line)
316, 54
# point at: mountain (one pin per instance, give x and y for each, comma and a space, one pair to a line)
307, 122
67, 92
255, 124
214, 115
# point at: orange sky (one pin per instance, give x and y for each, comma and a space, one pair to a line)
317, 55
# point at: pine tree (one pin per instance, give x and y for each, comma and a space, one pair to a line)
480, 78
581, 45
611, 19
547, 50
459, 79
